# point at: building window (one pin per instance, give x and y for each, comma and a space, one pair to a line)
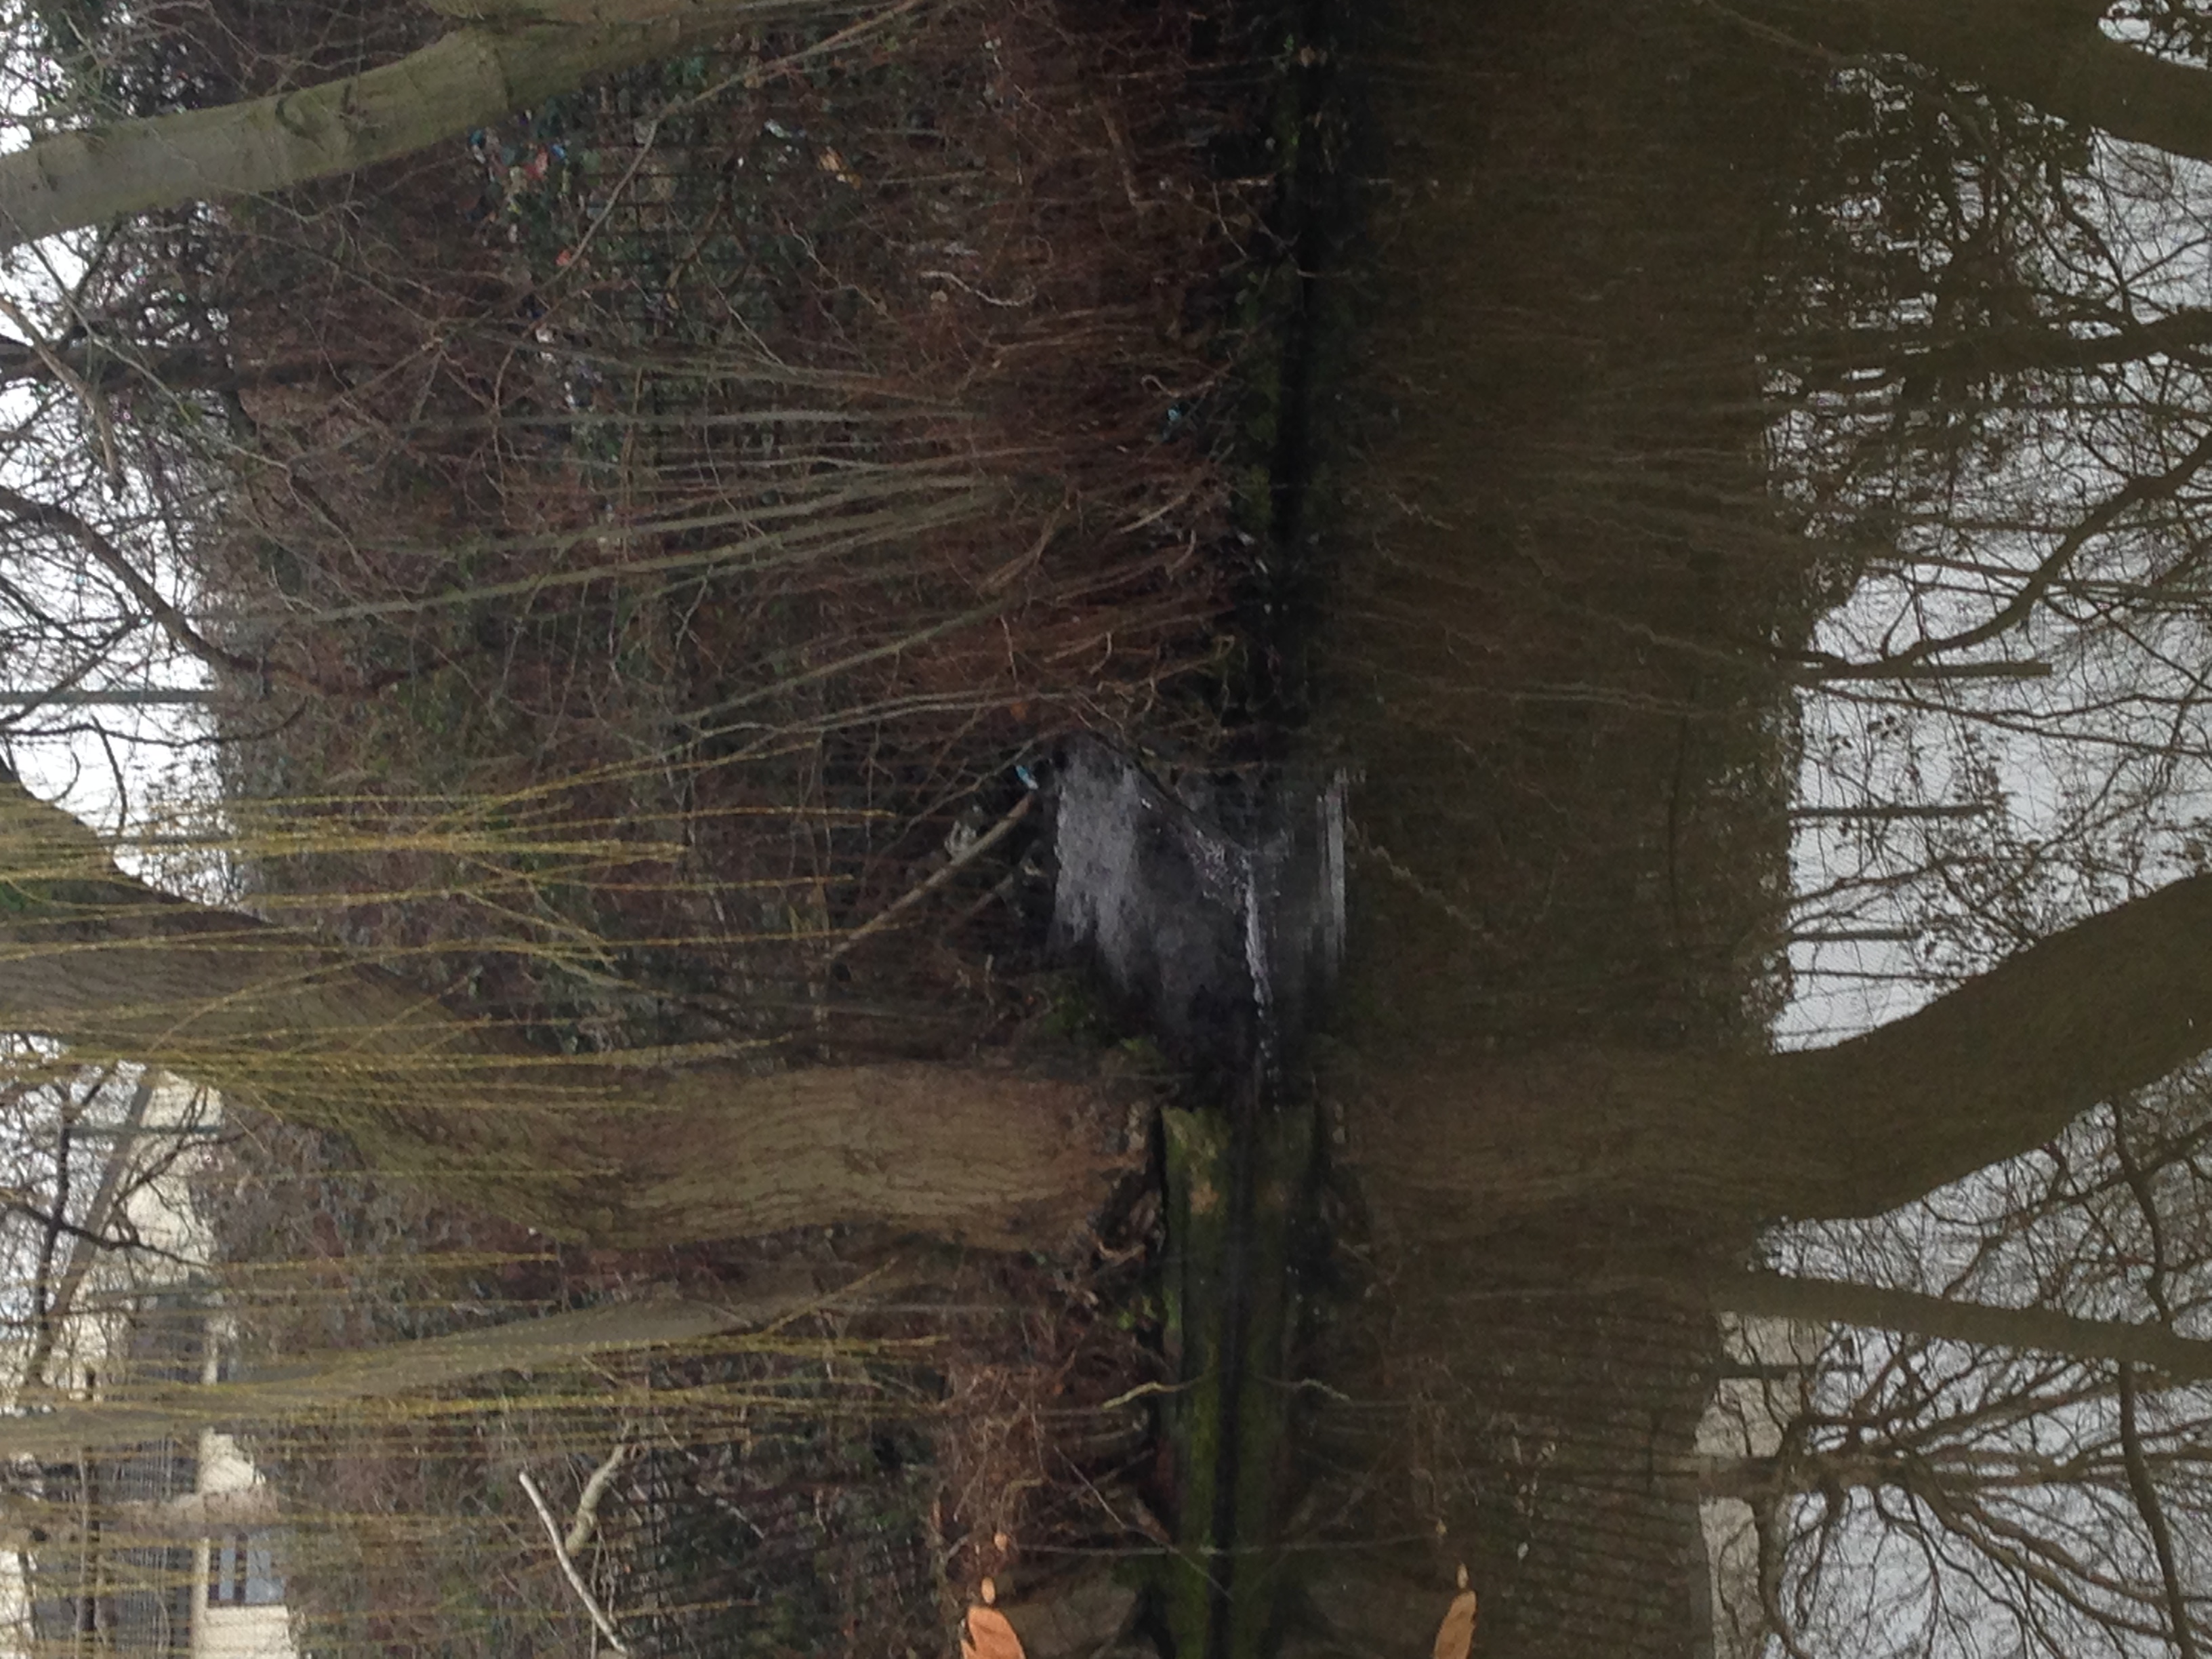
243, 1573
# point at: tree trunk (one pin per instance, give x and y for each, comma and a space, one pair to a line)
586, 1148
119, 697
174, 370
60, 1297
2057, 58
2049, 53
32, 1524
1889, 355
1466, 1145
2177, 1359
469, 78
319, 1382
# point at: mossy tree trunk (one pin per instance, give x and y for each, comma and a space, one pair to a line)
516, 55
623, 1154
2052, 54
612, 1153
312, 1383
1465, 1146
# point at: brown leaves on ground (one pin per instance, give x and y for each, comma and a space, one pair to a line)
988, 1635
1456, 1636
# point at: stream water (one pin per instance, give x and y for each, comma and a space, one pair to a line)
1214, 910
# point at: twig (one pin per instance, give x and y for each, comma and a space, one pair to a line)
1137, 1393
1000, 889
1782, 37
1122, 156
2148, 1504
967, 855
1006, 573
61, 371
172, 621
568, 1563
587, 1505
1381, 854
721, 711
962, 283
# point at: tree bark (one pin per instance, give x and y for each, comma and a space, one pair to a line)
1465, 1144
174, 370
585, 1147
61, 1295
32, 1524
2175, 1358
468, 78
321, 1383
2049, 53
2057, 58
1877, 356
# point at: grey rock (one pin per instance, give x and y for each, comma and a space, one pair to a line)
1078, 1620
1214, 913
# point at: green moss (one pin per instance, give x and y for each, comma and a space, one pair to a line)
1199, 1184
1077, 1014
